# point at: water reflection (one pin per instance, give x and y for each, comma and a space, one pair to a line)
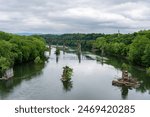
79, 56
64, 52
79, 51
66, 78
1, 74
67, 85
57, 58
57, 53
64, 49
45, 83
124, 92
5, 86
21, 72
49, 51
136, 72
100, 60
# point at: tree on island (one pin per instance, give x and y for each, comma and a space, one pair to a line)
67, 73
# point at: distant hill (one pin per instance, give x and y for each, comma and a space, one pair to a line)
27, 34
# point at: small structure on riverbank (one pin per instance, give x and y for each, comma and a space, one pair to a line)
126, 80
8, 74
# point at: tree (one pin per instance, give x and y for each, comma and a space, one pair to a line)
18, 49
100, 43
136, 50
146, 56
4, 64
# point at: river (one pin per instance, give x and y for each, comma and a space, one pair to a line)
91, 80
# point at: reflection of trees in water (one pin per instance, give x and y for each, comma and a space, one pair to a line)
6, 85
79, 56
66, 78
145, 85
49, 51
135, 71
67, 85
143, 78
57, 58
57, 53
124, 92
79, 51
1, 74
64, 48
100, 60
21, 72
64, 52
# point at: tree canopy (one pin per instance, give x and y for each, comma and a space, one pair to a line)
135, 46
18, 49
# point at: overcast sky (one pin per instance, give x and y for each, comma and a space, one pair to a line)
73, 16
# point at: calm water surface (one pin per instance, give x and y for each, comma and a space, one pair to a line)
92, 79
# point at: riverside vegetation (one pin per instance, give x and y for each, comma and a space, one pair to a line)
15, 49
28, 76
134, 47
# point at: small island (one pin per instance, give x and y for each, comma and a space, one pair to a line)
126, 80
67, 73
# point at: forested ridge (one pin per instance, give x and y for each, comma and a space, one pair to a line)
15, 49
135, 47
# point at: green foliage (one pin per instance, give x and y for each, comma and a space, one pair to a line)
38, 60
136, 50
124, 66
148, 71
135, 47
86, 40
99, 43
4, 64
18, 49
67, 73
5, 36
146, 56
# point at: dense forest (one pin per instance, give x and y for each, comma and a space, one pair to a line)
15, 49
134, 47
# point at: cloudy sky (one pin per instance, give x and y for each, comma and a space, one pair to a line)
73, 16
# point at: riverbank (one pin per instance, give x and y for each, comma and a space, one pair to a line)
15, 49
42, 81
134, 47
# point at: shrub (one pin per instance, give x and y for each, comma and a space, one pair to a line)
67, 73
124, 66
38, 60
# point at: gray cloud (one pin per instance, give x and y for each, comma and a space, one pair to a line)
66, 16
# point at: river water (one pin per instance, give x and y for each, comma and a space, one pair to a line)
91, 80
